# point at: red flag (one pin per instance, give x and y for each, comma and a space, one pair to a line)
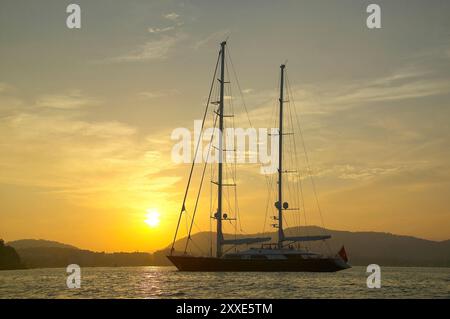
343, 254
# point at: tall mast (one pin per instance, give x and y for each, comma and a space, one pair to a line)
280, 163
219, 182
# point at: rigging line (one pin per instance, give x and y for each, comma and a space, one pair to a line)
269, 177
183, 208
234, 164
210, 209
236, 202
193, 223
186, 221
227, 168
297, 190
227, 250
239, 88
298, 186
209, 212
272, 196
299, 180
285, 221
234, 176
251, 125
267, 205
291, 164
211, 174
197, 246
200, 187
294, 159
308, 164
303, 205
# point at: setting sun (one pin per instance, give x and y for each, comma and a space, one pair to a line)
152, 218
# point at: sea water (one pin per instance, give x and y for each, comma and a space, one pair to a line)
167, 282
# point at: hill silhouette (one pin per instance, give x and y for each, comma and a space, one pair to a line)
37, 243
9, 258
40, 253
363, 248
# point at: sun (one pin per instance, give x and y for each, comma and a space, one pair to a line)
152, 218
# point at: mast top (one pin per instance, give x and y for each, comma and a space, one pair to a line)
283, 66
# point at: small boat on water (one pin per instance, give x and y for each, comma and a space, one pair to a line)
284, 255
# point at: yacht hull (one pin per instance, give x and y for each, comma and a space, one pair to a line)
211, 264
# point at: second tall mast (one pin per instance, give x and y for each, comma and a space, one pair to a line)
219, 182
280, 163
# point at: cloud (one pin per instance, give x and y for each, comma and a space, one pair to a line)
171, 16
397, 86
5, 87
385, 89
161, 30
156, 30
70, 101
158, 94
361, 172
156, 49
213, 37
88, 163
349, 141
403, 84
8, 102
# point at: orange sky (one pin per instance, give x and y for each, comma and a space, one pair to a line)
86, 115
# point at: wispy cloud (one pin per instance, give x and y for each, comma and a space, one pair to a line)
171, 16
157, 30
213, 37
158, 94
161, 30
391, 88
5, 87
402, 84
362, 173
70, 101
87, 162
155, 49
90, 163
8, 102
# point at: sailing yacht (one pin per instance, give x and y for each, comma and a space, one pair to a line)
282, 255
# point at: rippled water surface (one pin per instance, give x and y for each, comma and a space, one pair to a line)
167, 282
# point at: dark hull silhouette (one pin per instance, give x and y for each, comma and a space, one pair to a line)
190, 263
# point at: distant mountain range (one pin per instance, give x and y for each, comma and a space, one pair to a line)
363, 248
50, 254
38, 243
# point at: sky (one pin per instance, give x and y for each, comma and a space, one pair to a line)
86, 114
